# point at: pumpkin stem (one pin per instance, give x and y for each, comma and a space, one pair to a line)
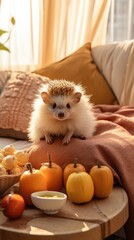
98, 164
75, 162
29, 167
49, 160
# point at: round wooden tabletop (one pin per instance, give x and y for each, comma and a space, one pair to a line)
95, 220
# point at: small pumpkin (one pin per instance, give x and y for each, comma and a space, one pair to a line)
80, 187
9, 162
102, 177
53, 175
31, 180
70, 168
22, 157
9, 150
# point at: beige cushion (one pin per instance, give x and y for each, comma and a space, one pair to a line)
80, 68
16, 104
127, 97
115, 62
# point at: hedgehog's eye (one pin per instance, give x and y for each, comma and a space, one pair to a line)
54, 105
68, 105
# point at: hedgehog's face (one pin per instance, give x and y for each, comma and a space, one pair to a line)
61, 107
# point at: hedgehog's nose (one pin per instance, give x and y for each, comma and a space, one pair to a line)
61, 115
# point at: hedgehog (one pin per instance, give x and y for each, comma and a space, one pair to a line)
63, 109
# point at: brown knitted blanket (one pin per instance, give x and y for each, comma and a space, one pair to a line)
112, 144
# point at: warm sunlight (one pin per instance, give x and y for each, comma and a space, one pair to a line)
67, 109
23, 48
47, 31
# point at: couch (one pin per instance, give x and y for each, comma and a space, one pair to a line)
107, 74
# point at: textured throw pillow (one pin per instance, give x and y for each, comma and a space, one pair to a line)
80, 68
16, 103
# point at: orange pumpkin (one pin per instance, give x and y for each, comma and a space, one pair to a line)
53, 175
102, 177
70, 168
79, 187
31, 180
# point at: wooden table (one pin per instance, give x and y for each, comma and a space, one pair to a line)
95, 220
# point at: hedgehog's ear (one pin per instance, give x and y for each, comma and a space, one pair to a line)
45, 97
77, 97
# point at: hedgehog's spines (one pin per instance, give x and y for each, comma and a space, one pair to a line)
61, 87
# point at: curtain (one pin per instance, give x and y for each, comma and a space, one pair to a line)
67, 25
120, 22
24, 39
48, 30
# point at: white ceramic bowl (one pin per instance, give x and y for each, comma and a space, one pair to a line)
49, 201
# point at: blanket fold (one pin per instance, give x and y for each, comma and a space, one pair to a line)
118, 143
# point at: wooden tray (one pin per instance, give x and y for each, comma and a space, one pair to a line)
94, 220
